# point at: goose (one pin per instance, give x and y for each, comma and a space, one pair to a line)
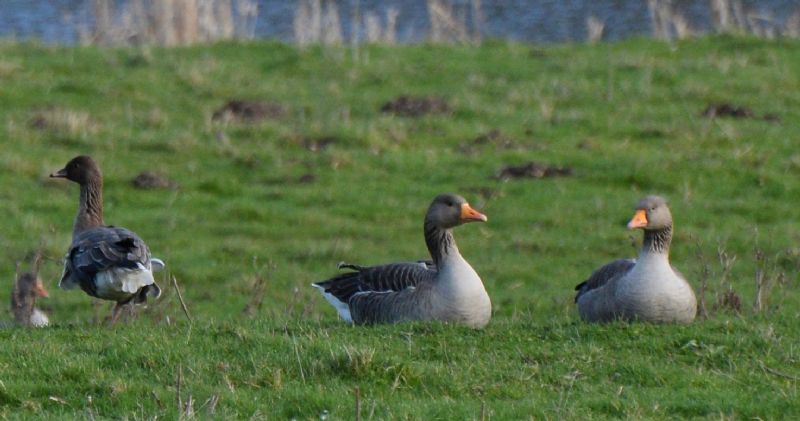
23, 301
647, 288
445, 288
107, 262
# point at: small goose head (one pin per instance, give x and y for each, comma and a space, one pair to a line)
652, 214
27, 289
450, 210
80, 169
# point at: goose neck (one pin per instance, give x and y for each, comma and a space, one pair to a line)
657, 241
90, 206
440, 242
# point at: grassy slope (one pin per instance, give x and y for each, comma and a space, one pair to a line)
624, 116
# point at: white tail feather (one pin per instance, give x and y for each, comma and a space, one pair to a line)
341, 307
156, 264
120, 283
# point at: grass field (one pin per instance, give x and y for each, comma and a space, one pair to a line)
283, 200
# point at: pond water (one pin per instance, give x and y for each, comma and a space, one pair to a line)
545, 21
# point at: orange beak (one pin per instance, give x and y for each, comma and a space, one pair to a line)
40, 291
639, 220
471, 215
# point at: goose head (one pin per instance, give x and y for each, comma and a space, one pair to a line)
82, 169
451, 210
27, 289
652, 214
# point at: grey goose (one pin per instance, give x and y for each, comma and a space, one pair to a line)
444, 289
647, 288
107, 262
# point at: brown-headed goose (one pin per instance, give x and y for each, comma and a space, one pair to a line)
446, 289
107, 262
23, 301
647, 288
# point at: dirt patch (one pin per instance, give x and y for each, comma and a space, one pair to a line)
249, 111
316, 144
149, 180
532, 170
494, 139
729, 300
727, 110
62, 120
411, 106
307, 179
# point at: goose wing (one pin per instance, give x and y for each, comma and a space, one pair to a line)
603, 275
383, 278
102, 249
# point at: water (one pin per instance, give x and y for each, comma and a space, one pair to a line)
543, 21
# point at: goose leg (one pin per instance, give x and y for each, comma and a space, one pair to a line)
115, 314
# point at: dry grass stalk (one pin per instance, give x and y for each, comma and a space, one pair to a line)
791, 28
180, 298
705, 273
256, 297
594, 29
761, 280
171, 22
386, 33
446, 25
316, 23
178, 382
722, 15
331, 25
667, 22
477, 21
357, 393
63, 121
307, 22
728, 298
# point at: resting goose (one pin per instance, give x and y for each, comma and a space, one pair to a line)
107, 262
445, 289
23, 301
647, 288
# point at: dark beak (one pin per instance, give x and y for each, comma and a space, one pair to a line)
62, 173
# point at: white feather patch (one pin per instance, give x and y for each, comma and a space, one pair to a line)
120, 283
39, 319
341, 307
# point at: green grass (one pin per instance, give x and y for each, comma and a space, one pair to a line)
625, 116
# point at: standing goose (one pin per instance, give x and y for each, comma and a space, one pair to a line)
647, 288
446, 289
107, 262
23, 301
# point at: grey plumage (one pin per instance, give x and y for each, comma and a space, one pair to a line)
446, 288
602, 276
106, 248
647, 288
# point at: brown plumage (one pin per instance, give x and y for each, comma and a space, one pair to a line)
27, 288
107, 262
